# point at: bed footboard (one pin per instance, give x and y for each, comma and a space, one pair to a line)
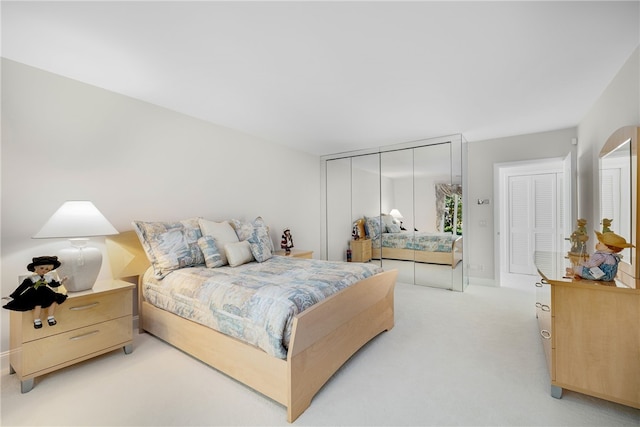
323, 338
326, 335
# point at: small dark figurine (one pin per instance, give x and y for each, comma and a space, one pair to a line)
36, 292
603, 264
606, 225
287, 241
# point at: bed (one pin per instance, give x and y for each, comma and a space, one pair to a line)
419, 246
320, 338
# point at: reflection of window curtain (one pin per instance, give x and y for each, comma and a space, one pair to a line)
442, 191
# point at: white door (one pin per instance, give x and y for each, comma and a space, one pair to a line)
533, 220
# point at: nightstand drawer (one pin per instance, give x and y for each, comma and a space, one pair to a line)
61, 348
77, 312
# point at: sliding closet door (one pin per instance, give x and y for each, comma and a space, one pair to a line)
365, 191
417, 186
397, 207
338, 176
438, 203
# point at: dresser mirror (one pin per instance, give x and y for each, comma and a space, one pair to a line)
618, 192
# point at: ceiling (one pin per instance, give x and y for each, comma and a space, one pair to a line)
329, 77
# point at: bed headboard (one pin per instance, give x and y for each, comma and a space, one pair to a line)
126, 255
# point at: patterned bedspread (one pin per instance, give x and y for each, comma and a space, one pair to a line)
418, 241
254, 302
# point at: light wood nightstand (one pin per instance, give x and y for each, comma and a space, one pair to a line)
296, 253
360, 250
90, 323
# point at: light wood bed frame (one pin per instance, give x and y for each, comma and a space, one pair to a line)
323, 337
445, 258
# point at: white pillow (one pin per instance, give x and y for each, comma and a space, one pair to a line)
222, 233
238, 253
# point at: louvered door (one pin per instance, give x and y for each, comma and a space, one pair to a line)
533, 219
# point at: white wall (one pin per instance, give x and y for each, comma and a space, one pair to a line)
618, 106
64, 140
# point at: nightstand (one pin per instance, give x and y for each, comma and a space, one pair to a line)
90, 323
360, 250
296, 253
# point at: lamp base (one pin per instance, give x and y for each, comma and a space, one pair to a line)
80, 264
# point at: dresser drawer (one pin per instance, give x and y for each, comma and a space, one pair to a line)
61, 348
77, 312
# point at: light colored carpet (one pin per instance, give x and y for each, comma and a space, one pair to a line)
472, 358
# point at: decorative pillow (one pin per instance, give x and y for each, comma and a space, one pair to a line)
259, 242
393, 228
243, 229
238, 253
212, 256
222, 233
259, 223
170, 245
374, 227
388, 222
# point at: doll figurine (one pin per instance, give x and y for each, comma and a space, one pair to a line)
606, 225
603, 264
36, 291
287, 240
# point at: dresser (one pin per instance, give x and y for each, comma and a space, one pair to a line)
589, 331
90, 323
360, 250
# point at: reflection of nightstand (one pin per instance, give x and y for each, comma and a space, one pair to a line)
90, 323
361, 250
296, 253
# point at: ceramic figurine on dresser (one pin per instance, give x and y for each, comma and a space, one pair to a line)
287, 241
606, 225
603, 264
38, 291
578, 239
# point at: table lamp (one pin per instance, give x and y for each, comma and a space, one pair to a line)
77, 221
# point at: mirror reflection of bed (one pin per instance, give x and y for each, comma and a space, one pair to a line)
417, 184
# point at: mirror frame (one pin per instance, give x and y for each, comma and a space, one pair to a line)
629, 267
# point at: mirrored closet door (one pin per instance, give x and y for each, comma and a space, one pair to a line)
401, 207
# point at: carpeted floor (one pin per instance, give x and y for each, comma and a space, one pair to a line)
472, 358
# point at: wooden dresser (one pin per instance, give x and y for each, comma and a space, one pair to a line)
90, 323
590, 333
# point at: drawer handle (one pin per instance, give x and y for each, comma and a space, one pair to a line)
545, 307
84, 307
538, 285
545, 334
538, 305
88, 334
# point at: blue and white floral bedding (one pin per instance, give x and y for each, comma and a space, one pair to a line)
254, 302
418, 241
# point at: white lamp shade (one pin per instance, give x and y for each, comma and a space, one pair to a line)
396, 214
76, 219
